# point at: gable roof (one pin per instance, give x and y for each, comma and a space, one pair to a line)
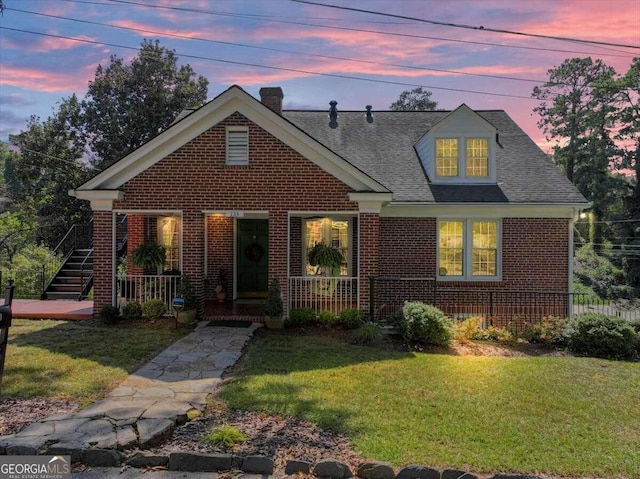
385, 150
194, 123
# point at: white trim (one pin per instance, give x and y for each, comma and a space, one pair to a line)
229, 102
101, 200
570, 270
114, 292
370, 202
234, 275
247, 214
205, 269
467, 261
487, 210
148, 212
302, 214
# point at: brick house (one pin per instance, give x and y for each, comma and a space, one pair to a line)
457, 199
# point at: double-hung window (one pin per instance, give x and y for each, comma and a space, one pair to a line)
469, 249
470, 161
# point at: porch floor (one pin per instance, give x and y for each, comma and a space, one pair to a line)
241, 310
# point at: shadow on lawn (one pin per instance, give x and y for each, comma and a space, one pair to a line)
114, 347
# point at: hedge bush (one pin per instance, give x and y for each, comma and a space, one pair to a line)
427, 324
352, 318
154, 308
301, 317
602, 336
131, 311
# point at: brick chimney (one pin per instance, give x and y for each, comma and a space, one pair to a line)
271, 97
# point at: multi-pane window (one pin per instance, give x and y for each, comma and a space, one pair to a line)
169, 237
468, 249
470, 161
333, 232
447, 157
477, 157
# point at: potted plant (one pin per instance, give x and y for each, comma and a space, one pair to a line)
188, 293
327, 258
221, 289
149, 255
273, 309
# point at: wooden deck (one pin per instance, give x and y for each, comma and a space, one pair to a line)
36, 309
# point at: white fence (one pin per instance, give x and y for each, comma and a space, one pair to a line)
323, 293
143, 288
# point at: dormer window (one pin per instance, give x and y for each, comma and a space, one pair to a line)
471, 162
459, 149
237, 146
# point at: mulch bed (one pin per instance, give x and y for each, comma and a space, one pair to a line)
18, 413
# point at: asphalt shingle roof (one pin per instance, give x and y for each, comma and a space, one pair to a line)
385, 151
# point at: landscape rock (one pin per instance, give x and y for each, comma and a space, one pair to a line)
66, 449
333, 469
141, 460
376, 470
154, 431
257, 465
415, 471
298, 467
454, 474
101, 458
184, 461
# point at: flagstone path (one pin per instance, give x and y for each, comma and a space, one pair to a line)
148, 405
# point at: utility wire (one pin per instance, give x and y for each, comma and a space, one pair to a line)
71, 162
279, 50
271, 67
468, 27
332, 27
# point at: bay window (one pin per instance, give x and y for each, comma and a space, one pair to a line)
468, 249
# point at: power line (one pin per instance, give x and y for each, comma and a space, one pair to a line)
71, 162
279, 50
271, 67
333, 27
468, 27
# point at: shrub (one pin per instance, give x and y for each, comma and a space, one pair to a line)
601, 336
274, 308
469, 328
396, 321
550, 330
635, 324
226, 436
352, 318
427, 324
109, 313
154, 308
492, 333
301, 317
131, 311
369, 333
327, 318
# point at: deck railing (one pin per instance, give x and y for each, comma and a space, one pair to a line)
323, 293
142, 288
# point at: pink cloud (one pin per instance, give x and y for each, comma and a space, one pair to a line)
45, 44
157, 29
46, 81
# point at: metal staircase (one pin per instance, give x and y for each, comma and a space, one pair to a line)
74, 279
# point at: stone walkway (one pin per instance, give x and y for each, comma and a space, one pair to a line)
146, 407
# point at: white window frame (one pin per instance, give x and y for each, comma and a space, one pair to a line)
462, 160
237, 154
349, 260
467, 262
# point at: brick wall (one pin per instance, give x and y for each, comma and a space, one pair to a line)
195, 178
102, 259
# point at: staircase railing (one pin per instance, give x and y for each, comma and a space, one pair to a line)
79, 236
85, 286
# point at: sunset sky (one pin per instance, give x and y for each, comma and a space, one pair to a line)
287, 44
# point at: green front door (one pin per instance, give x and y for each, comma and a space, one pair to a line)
252, 258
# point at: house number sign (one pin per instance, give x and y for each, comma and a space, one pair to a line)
234, 214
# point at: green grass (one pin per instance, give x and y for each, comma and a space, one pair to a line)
555, 415
69, 360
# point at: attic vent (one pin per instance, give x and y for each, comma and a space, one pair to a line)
237, 146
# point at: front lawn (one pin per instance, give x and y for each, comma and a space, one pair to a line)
556, 415
61, 359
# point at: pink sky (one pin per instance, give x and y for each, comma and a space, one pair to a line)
37, 71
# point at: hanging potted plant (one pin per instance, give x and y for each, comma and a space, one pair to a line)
149, 255
327, 258
273, 310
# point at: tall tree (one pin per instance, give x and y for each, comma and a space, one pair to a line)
127, 105
577, 109
416, 99
47, 167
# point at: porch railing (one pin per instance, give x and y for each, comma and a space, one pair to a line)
142, 288
323, 293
